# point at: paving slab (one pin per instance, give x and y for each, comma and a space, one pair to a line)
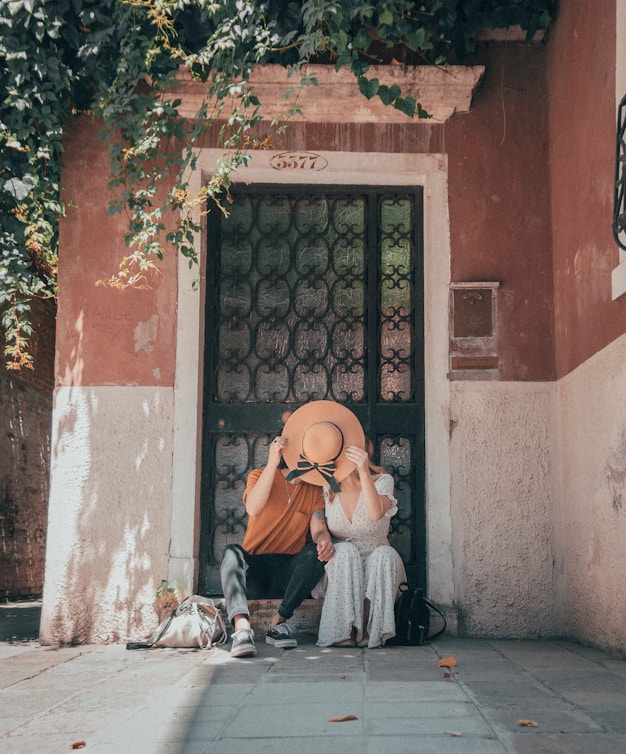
310, 699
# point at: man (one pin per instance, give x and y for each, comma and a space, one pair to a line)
275, 559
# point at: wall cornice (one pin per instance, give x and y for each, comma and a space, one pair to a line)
337, 99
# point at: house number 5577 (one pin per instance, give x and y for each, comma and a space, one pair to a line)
298, 161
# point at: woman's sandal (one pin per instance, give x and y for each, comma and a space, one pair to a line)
363, 642
345, 643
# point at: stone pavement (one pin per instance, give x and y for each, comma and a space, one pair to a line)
167, 701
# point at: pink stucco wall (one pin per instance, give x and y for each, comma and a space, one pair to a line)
530, 169
499, 204
499, 195
106, 336
581, 65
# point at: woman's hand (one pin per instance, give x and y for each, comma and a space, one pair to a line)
375, 505
359, 457
325, 547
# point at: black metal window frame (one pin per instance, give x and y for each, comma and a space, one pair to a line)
619, 203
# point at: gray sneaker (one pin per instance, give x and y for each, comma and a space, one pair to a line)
243, 643
280, 636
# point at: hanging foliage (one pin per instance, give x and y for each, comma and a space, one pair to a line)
119, 61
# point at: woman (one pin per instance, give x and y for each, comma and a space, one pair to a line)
365, 572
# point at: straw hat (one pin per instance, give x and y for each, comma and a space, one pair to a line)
317, 435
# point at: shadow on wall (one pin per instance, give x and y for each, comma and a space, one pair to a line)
109, 518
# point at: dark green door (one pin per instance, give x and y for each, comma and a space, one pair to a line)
312, 293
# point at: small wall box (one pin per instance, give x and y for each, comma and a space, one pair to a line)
473, 326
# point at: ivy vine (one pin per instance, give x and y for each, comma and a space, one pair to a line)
119, 61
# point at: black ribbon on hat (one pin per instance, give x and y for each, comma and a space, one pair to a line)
326, 470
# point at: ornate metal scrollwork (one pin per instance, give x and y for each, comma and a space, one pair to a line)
291, 270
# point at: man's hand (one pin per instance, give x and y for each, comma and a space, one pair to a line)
257, 497
276, 451
321, 536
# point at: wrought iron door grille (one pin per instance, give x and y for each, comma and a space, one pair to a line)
311, 294
292, 306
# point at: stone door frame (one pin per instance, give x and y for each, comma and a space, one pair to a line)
429, 171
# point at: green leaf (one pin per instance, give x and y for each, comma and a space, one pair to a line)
362, 39
385, 18
384, 92
421, 113
406, 105
368, 87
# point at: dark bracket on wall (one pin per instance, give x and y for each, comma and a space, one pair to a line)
474, 362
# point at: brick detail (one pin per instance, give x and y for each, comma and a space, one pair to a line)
25, 408
41, 348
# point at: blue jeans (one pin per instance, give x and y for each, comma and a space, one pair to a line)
289, 577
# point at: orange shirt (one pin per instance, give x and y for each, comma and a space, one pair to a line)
281, 527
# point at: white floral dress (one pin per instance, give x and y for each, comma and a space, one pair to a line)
364, 566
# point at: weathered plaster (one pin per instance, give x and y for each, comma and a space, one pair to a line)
502, 467
524, 486
145, 333
109, 514
593, 447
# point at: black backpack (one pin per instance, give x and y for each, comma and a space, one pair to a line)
413, 613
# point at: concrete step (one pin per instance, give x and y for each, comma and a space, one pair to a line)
305, 620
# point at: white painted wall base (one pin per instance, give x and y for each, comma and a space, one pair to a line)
593, 450
538, 502
109, 513
502, 468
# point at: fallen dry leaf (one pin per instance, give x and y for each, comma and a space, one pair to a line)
447, 662
528, 723
78, 745
343, 719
